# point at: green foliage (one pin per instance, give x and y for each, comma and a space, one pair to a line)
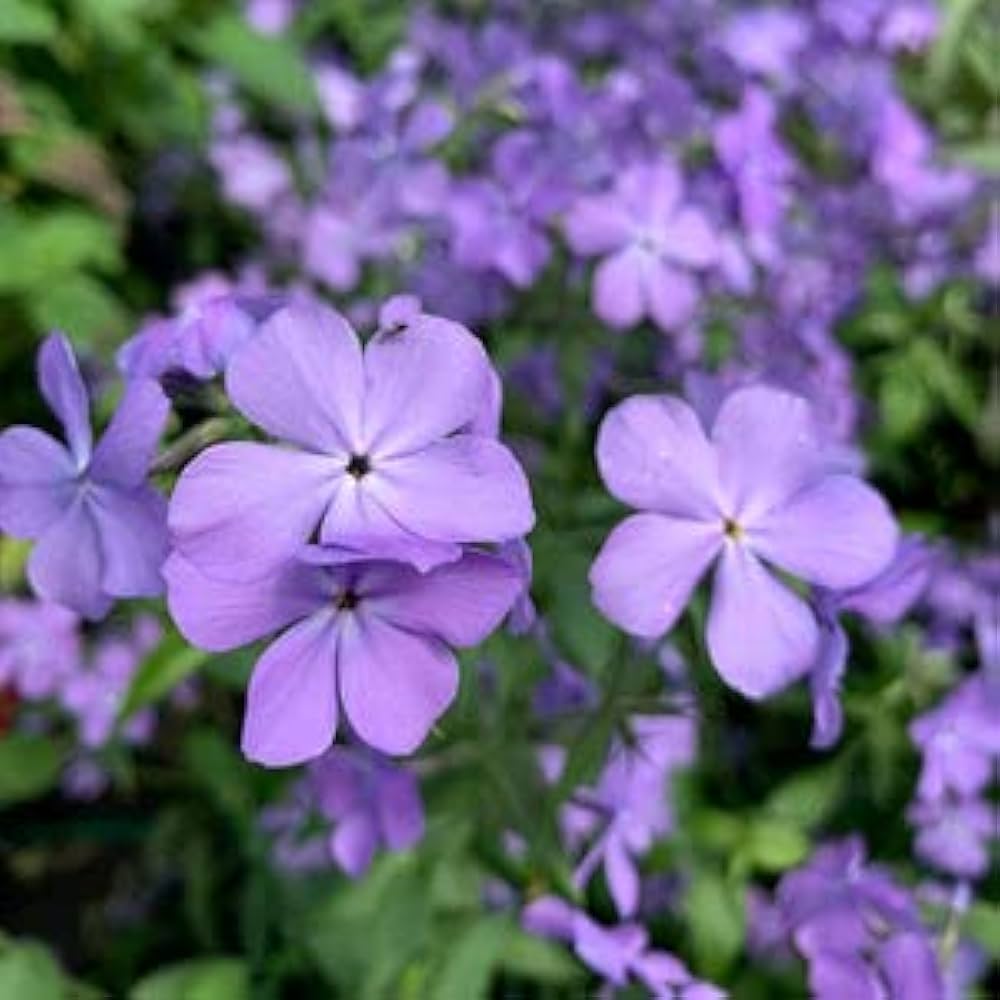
29, 767
201, 979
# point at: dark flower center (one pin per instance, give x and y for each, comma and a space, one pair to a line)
358, 466
732, 529
346, 601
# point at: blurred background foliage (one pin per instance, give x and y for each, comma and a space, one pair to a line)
106, 202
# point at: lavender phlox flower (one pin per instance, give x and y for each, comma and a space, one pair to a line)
40, 647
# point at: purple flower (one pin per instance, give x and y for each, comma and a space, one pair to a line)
374, 802
760, 489
373, 636
954, 835
617, 954
766, 41
253, 175
100, 528
200, 341
629, 808
856, 927
39, 647
391, 452
652, 240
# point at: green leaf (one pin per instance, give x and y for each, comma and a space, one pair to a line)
775, 847
808, 798
170, 663
201, 979
715, 919
26, 22
37, 250
537, 959
81, 305
29, 972
472, 957
944, 57
982, 923
29, 767
270, 67
983, 155
212, 760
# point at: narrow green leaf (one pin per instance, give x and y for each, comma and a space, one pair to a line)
471, 960
170, 663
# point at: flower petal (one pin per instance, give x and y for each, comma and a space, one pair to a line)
839, 533
63, 389
353, 843
240, 509
132, 528
768, 449
36, 481
301, 378
644, 574
423, 383
127, 447
65, 566
400, 811
671, 294
394, 685
219, 615
359, 529
622, 877
291, 709
461, 603
689, 239
597, 225
653, 454
617, 294
463, 489
761, 636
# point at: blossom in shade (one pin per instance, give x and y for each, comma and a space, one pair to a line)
100, 528
389, 453
857, 928
373, 802
628, 809
619, 955
650, 242
371, 636
760, 489
39, 647
954, 835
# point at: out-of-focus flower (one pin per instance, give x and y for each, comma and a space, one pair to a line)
373, 802
39, 647
100, 528
650, 240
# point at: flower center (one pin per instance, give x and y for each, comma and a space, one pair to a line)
346, 601
732, 529
358, 466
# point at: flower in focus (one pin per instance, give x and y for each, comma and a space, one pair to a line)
759, 490
373, 636
650, 241
100, 528
391, 452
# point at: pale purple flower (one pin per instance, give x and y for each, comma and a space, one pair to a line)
766, 41
391, 451
619, 955
253, 174
371, 636
374, 803
857, 928
760, 489
908, 26
95, 693
629, 807
99, 527
650, 242
39, 647
955, 835
760, 167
